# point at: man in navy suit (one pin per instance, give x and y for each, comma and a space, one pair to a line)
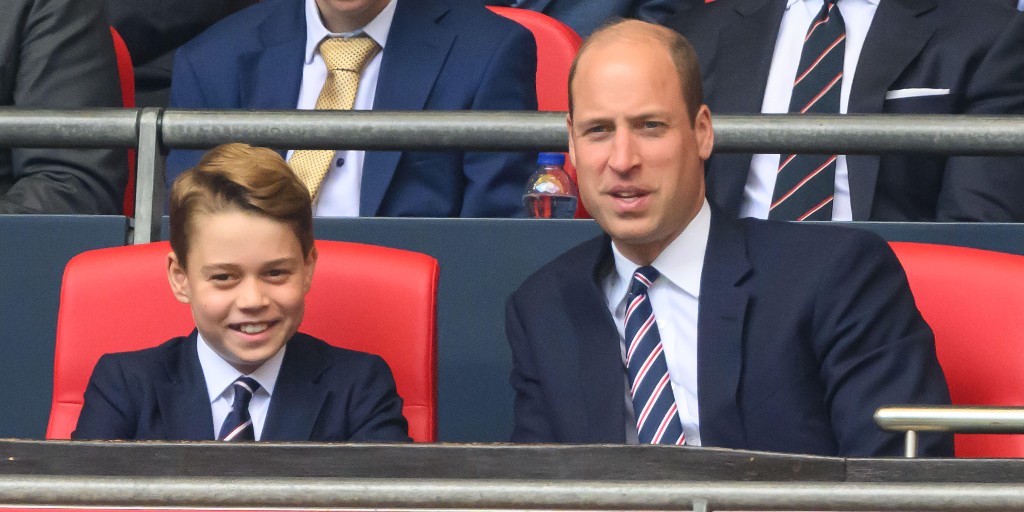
901, 56
744, 334
435, 55
243, 259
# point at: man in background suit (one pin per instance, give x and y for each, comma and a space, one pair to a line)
685, 325
154, 29
243, 259
436, 55
59, 54
901, 56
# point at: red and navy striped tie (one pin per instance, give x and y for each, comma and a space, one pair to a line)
238, 424
657, 418
805, 184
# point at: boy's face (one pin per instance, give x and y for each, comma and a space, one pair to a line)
246, 282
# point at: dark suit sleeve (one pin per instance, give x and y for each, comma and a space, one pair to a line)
531, 424
875, 349
990, 189
107, 412
495, 181
65, 60
376, 411
186, 93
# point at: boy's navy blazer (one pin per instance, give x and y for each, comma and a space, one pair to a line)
439, 55
803, 331
323, 393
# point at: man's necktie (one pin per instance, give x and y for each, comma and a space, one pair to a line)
805, 184
238, 424
345, 59
657, 420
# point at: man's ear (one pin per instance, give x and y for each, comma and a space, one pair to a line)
705, 133
309, 266
568, 129
178, 278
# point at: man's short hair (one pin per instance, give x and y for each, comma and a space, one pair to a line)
239, 177
682, 52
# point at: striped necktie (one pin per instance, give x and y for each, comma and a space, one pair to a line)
805, 184
657, 418
345, 59
238, 424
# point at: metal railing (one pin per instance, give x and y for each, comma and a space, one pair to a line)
957, 419
153, 131
425, 493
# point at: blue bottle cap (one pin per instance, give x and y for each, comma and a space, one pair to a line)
551, 159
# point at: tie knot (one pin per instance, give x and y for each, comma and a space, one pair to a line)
643, 278
348, 54
244, 389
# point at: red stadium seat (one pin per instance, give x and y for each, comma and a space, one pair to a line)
118, 299
557, 45
126, 73
974, 302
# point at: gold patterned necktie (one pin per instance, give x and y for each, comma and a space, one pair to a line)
345, 59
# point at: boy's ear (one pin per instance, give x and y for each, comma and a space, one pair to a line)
308, 267
178, 278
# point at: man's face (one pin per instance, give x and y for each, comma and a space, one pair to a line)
246, 282
349, 15
638, 158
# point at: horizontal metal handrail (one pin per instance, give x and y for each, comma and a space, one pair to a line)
503, 130
521, 131
93, 128
960, 419
318, 493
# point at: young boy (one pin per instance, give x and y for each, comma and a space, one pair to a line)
243, 259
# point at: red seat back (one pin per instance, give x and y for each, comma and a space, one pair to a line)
118, 299
974, 302
557, 45
126, 73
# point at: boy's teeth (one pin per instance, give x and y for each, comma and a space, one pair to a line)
253, 328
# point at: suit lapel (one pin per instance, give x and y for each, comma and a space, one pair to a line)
277, 67
720, 336
899, 31
738, 75
414, 54
183, 399
601, 370
298, 396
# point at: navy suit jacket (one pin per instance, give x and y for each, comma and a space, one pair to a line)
585, 16
323, 393
440, 55
803, 331
971, 48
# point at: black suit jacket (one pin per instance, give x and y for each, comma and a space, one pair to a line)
323, 393
971, 48
803, 331
59, 54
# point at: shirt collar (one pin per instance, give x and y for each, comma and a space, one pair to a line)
682, 262
377, 29
220, 374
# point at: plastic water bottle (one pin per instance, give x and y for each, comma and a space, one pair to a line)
550, 193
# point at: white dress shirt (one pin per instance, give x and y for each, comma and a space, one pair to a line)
220, 376
857, 16
339, 193
674, 297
